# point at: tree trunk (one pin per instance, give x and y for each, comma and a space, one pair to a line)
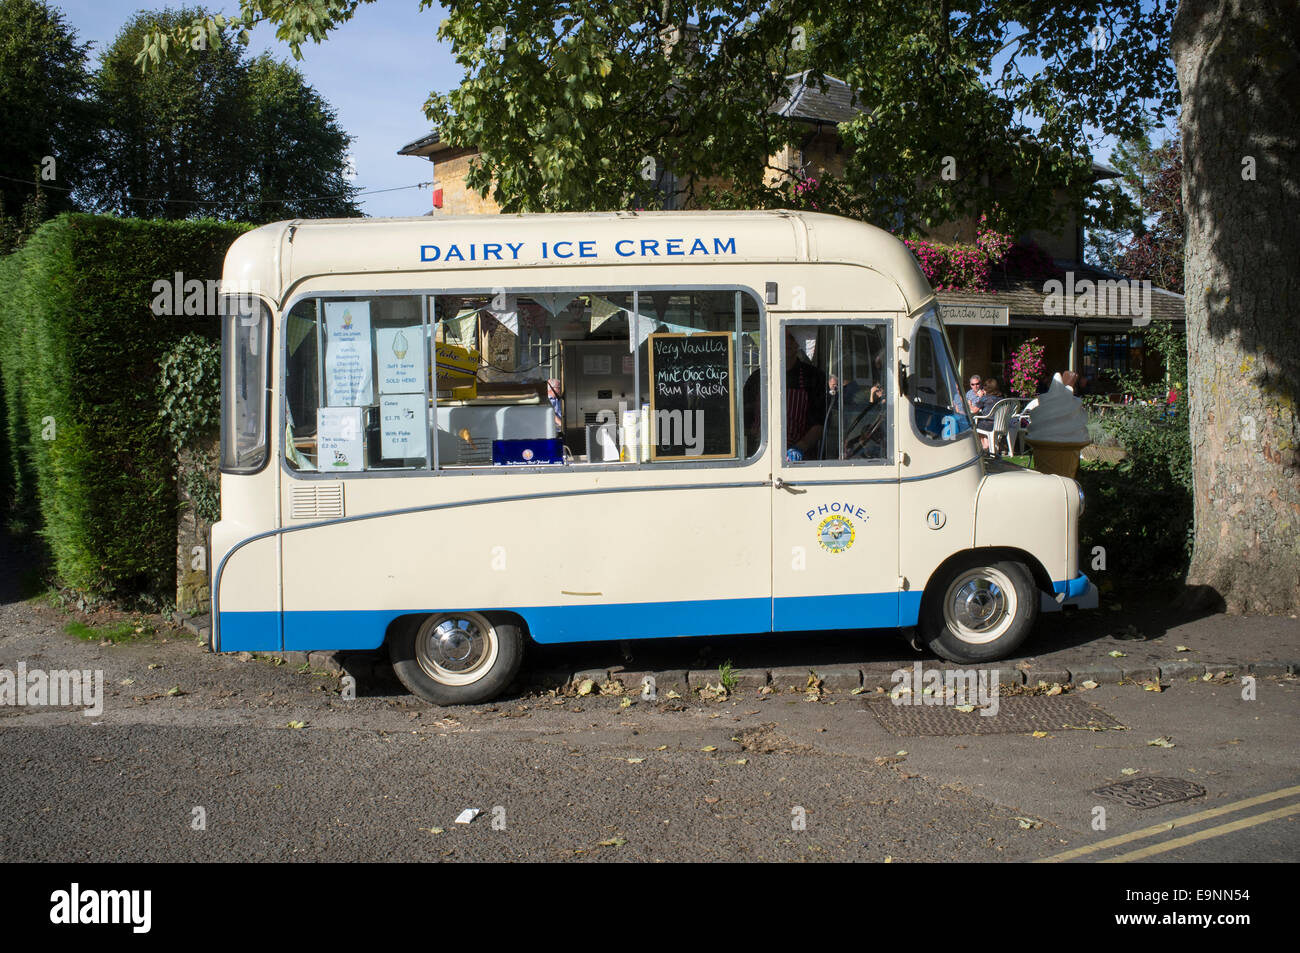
1238, 66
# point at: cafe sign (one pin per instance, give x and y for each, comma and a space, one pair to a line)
979, 315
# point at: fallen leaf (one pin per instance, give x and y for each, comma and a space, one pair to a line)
1161, 742
634, 760
1116, 653
586, 687
297, 724
709, 748
625, 703
662, 748
612, 842
1152, 687
154, 665
672, 694
964, 707
1128, 771
1028, 823
1040, 734
1181, 648
1056, 689
741, 761
1089, 683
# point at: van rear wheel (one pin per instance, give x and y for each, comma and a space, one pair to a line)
456, 658
979, 611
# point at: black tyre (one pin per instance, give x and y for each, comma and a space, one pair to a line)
979, 611
456, 658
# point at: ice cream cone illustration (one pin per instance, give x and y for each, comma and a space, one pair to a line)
400, 345
1058, 430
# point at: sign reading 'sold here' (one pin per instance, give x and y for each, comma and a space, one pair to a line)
692, 396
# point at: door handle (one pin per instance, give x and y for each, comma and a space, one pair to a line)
782, 485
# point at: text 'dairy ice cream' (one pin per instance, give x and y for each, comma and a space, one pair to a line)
1058, 429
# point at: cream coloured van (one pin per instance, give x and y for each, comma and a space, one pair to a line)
451, 436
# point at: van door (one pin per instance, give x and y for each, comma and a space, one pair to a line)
835, 486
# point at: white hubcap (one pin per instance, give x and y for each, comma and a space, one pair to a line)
980, 605
456, 648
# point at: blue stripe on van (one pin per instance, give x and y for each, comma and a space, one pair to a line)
647, 620
870, 610
309, 631
250, 632
337, 630
1072, 587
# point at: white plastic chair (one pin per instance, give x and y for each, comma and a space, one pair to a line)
1003, 426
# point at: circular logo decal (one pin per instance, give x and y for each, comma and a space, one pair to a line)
836, 534
527, 454
935, 519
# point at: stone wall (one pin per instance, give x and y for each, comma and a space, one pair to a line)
193, 556
457, 197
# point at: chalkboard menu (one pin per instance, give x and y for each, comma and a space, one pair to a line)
692, 396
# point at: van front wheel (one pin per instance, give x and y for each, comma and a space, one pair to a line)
456, 658
979, 611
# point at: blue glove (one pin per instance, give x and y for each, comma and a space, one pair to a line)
793, 455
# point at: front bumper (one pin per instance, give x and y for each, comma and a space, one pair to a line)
1079, 592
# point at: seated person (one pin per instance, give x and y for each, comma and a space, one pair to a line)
553, 396
983, 405
805, 403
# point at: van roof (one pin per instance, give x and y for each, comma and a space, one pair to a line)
280, 255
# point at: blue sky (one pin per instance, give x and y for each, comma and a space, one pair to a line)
376, 71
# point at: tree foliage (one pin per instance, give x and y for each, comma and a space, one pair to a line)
208, 131
1147, 242
605, 104
47, 119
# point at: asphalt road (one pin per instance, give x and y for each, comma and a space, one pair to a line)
751, 777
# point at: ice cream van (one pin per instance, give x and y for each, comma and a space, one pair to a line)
454, 437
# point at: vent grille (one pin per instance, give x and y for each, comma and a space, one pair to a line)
316, 501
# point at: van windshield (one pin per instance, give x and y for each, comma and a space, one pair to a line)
933, 388
244, 363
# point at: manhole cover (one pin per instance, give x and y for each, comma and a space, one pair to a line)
1149, 792
1015, 715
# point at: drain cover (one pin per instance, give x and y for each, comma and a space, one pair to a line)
1016, 715
1149, 792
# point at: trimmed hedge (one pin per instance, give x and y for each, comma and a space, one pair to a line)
79, 363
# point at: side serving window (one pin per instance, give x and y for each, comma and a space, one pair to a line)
933, 388
357, 384
502, 378
245, 363
835, 389
594, 377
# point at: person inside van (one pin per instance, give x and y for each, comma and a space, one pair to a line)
805, 403
553, 396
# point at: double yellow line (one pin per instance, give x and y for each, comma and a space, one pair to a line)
1177, 842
